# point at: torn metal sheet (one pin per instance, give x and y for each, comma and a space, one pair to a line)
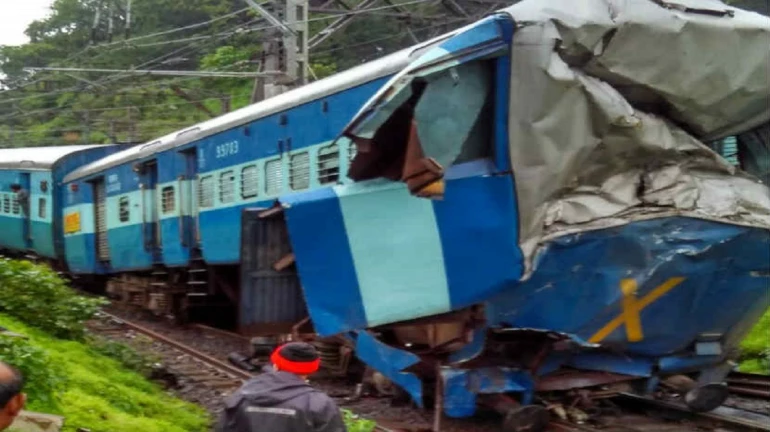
462, 387
600, 131
612, 135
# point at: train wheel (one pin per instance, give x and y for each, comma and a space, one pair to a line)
707, 397
529, 418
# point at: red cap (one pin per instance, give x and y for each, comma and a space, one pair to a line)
296, 357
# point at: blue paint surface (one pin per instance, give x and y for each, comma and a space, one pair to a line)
328, 279
390, 362
81, 255
461, 387
45, 237
381, 224
305, 126
576, 286
476, 220
422, 274
131, 255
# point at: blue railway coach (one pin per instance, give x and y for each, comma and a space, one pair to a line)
579, 235
156, 217
34, 224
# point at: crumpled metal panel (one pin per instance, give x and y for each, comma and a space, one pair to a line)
390, 362
461, 387
601, 132
690, 277
625, 230
611, 132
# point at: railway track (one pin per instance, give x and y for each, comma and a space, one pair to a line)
198, 367
746, 384
638, 413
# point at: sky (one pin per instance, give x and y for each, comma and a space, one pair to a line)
15, 16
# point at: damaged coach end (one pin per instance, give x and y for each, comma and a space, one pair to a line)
535, 209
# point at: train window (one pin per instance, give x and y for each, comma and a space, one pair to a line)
6, 204
206, 192
273, 177
351, 151
15, 205
328, 164
249, 181
451, 107
123, 209
41, 210
299, 171
226, 187
168, 204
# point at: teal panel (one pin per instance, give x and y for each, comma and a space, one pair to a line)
379, 221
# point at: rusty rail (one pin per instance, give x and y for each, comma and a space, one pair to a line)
213, 330
211, 361
749, 384
737, 420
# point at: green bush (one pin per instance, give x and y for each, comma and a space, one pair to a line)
42, 379
36, 295
357, 424
755, 348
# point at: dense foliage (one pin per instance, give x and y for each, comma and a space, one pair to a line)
55, 108
88, 381
37, 295
43, 378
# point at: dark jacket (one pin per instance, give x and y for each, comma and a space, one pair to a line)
279, 402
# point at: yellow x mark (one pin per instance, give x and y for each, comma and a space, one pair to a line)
632, 308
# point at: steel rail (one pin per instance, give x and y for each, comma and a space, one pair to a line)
211, 361
739, 419
749, 384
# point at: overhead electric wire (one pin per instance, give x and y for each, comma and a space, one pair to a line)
161, 33
108, 79
170, 31
89, 47
196, 45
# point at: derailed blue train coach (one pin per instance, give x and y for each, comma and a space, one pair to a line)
534, 201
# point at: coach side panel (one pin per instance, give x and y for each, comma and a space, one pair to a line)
282, 154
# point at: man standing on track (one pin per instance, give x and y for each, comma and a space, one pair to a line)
11, 398
282, 400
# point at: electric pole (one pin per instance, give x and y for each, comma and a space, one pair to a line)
286, 49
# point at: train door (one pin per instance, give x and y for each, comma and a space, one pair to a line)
189, 231
24, 200
150, 211
100, 220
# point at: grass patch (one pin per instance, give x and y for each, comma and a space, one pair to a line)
355, 423
755, 349
96, 392
125, 355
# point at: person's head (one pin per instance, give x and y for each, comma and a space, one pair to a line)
15, 187
11, 398
299, 358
